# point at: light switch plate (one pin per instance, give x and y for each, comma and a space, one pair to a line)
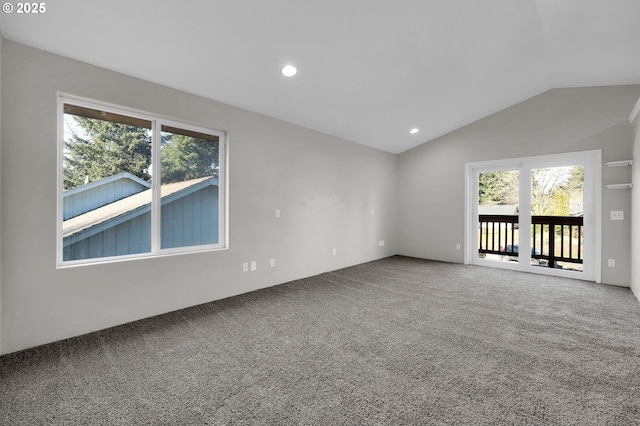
617, 215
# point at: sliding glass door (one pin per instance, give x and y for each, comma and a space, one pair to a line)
557, 217
536, 214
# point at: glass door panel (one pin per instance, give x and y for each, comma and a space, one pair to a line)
557, 214
498, 207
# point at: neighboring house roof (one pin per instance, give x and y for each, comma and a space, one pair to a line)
129, 207
502, 209
101, 182
100, 193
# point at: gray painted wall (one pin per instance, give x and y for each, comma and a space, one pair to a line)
431, 176
635, 210
324, 187
1, 156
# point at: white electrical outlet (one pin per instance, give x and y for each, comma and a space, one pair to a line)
254, 265
373, 212
612, 263
245, 267
272, 263
457, 246
277, 213
335, 252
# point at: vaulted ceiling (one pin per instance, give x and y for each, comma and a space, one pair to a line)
368, 70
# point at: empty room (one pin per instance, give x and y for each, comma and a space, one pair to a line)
320, 212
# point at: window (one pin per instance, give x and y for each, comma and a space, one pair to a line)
132, 185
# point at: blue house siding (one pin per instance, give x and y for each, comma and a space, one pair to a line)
191, 220
188, 217
100, 193
130, 237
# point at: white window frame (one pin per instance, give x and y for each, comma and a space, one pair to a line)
156, 124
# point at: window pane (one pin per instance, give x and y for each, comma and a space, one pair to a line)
106, 184
190, 193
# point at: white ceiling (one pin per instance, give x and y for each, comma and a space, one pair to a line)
368, 70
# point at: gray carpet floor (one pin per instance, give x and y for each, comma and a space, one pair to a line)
391, 342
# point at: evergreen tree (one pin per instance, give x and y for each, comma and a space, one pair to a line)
107, 148
497, 188
187, 157
98, 149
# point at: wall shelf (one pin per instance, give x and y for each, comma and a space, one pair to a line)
620, 186
620, 163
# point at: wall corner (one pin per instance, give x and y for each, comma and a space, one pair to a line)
634, 118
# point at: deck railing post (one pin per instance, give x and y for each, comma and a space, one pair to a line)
552, 244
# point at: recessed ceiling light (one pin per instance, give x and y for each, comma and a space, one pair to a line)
414, 131
289, 71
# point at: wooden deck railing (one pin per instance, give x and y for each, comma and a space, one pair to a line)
555, 238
